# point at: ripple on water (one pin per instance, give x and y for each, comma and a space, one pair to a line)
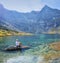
26, 59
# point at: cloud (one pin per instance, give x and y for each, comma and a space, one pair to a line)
23, 5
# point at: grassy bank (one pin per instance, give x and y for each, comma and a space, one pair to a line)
10, 33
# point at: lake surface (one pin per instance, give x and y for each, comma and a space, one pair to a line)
32, 41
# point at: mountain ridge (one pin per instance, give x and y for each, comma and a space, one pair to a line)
33, 22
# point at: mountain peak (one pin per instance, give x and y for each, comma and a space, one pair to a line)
1, 9
46, 7
1, 6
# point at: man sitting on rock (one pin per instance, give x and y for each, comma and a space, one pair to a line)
18, 44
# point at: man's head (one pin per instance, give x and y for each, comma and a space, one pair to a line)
16, 39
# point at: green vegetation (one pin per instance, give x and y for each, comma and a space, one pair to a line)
11, 32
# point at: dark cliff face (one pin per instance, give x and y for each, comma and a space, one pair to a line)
35, 21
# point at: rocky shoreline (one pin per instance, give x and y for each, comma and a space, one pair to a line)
50, 52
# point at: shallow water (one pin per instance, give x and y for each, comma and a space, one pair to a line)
32, 41
25, 59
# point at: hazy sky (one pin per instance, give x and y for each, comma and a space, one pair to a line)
29, 5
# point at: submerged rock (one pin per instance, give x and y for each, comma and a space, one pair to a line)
57, 60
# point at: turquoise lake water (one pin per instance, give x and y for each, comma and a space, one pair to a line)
32, 41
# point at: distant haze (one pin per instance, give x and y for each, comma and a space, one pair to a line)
29, 5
